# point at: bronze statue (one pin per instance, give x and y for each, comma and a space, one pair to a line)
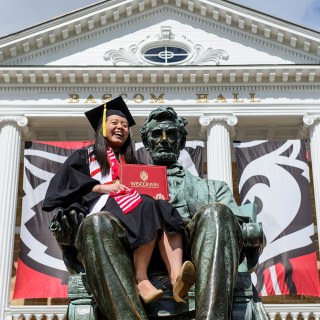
212, 229
97, 244
213, 220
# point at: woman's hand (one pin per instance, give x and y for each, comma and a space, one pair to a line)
109, 188
159, 196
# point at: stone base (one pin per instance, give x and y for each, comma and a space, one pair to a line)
246, 302
81, 301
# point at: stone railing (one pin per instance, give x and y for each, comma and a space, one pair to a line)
36, 313
293, 311
275, 311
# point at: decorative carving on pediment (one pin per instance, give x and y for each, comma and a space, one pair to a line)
166, 48
209, 55
123, 56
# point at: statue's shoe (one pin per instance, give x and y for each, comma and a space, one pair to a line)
185, 280
151, 297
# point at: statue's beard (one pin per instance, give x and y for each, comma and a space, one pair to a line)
164, 158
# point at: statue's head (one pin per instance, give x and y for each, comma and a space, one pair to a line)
164, 135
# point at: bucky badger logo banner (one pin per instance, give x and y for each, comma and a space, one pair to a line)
275, 176
41, 272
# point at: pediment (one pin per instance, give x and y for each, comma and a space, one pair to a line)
119, 33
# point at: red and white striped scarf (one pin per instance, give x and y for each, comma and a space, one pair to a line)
126, 199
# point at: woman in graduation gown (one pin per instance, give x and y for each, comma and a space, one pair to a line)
116, 239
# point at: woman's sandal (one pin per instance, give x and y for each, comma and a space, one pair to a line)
151, 297
185, 280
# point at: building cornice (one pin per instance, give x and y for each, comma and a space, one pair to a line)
206, 76
104, 16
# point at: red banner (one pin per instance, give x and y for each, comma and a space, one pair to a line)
275, 176
41, 272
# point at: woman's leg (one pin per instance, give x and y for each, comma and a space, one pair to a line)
171, 251
182, 275
141, 260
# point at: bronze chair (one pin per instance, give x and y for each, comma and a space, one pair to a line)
246, 302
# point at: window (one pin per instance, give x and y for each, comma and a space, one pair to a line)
166, 55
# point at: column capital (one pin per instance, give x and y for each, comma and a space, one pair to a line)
20, 121
310, 119
229, 120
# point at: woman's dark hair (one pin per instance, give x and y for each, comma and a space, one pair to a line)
100, 147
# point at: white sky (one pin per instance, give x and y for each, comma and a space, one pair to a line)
302, 12
16, 15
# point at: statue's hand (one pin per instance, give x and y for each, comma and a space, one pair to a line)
64, 226
253, 235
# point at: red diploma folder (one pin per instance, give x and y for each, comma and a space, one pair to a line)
146, 179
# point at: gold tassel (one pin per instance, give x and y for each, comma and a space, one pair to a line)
104, 120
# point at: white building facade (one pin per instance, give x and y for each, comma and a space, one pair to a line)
233, 73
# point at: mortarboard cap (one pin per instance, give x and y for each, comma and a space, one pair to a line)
116, 106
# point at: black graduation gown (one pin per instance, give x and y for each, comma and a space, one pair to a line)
71, 188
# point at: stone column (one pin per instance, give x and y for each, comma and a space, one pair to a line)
313, 124
219, 129
10, 144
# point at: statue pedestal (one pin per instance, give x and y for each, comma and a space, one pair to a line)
242, 297
247, 304
166, 307
80, 296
